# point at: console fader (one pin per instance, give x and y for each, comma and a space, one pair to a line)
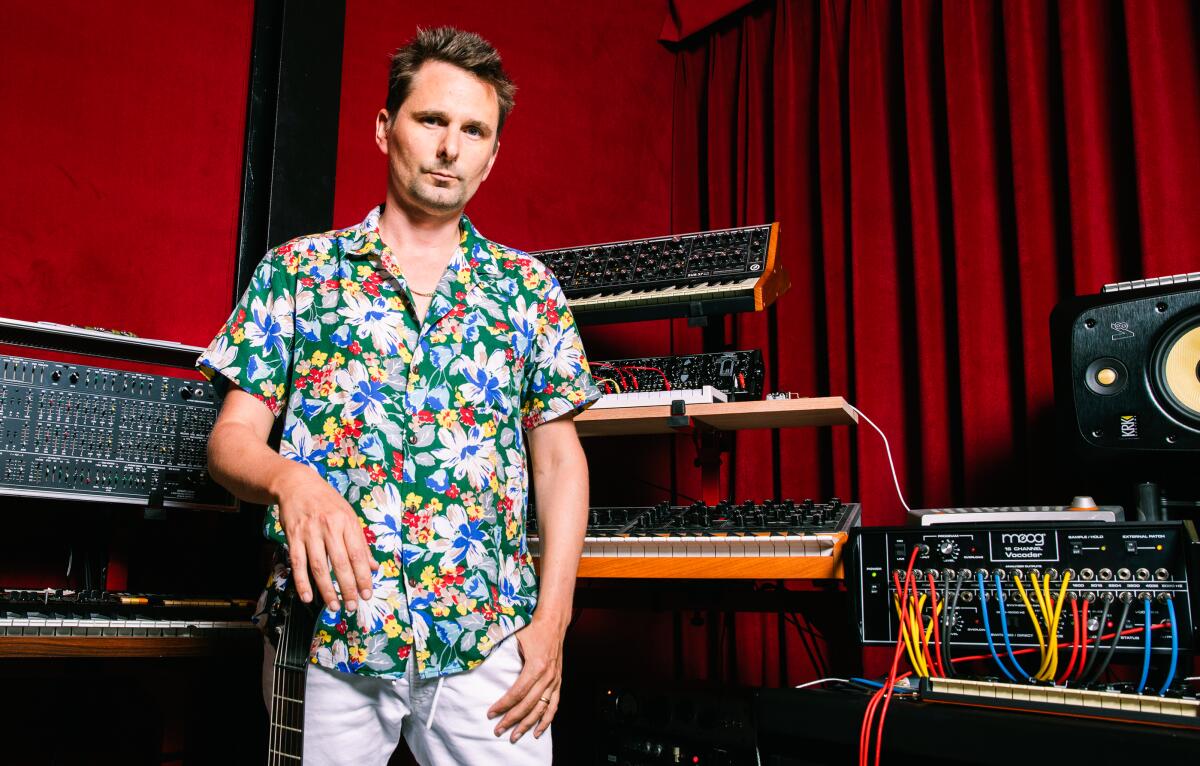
81, 432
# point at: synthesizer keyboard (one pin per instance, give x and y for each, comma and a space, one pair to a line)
67, 622
1147, 708
688, 275
706, 395
725, 541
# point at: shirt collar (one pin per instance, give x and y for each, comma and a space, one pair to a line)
462, 272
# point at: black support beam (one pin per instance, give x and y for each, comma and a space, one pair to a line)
291, 126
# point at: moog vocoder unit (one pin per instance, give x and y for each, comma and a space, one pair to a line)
1142, 565
91, 433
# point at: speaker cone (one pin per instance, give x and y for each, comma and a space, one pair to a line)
1176, 370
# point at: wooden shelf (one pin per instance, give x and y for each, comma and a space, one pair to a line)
127, 646
730, 416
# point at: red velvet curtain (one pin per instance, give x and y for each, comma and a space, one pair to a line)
944, 173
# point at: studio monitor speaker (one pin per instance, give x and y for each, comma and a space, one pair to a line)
1127, 366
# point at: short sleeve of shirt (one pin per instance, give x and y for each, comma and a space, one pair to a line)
253, 349
558, 380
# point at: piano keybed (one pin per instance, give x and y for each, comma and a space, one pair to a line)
1148, 708
725, 541
706, 395
64, 622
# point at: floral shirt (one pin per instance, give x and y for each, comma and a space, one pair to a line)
417, 424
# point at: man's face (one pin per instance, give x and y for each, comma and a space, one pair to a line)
443, 140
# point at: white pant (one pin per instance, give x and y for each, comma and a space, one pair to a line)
360, 719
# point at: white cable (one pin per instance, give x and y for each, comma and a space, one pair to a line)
888, 448
1192, 678
821, 681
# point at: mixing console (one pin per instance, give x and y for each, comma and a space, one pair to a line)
739, 374
712, 272
90, 433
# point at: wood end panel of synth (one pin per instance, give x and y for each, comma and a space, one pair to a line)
775, 280
718, 568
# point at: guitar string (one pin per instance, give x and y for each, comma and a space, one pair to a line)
291, 682
272, 758
277, 714
296, 688
289, 679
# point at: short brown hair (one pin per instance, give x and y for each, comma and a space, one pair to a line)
465, 50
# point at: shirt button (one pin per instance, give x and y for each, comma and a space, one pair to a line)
412, 439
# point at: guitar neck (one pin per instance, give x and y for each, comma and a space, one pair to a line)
292, 621
286, 745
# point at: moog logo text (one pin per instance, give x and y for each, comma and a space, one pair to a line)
1024, 538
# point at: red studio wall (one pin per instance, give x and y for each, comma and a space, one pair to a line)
585, 155
122, 140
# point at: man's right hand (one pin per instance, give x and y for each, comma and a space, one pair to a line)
322, 529
323, 532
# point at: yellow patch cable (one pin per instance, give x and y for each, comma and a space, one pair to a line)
1052, 668
1037, 628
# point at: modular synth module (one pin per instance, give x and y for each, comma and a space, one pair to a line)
91, 433
738, 374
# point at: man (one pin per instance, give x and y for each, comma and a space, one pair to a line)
413, 359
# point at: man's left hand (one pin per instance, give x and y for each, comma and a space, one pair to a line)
525, 703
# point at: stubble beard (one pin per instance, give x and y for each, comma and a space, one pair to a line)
436, 198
